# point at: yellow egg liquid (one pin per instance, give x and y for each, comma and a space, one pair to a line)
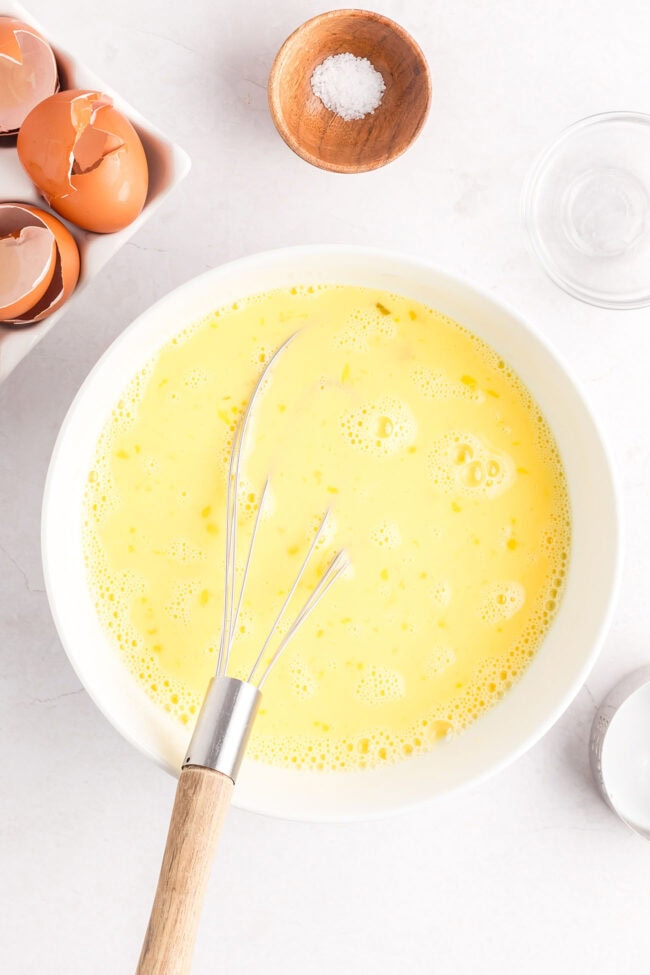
443, 484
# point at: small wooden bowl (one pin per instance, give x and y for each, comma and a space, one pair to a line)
321, 137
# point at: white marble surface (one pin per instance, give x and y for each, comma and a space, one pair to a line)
528, 874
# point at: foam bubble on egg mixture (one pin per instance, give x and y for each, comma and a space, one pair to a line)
382, 427
440, 477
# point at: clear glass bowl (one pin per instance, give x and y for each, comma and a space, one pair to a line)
586, 209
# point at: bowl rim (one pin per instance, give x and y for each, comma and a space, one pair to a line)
407, 263
275, 106
613, 713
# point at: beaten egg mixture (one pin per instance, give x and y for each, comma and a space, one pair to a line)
443, 484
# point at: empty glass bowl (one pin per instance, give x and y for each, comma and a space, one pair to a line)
586, 208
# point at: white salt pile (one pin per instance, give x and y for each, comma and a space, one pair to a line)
350, 87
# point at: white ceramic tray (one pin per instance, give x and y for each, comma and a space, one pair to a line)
167, 162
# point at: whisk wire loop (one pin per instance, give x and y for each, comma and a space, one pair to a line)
232, 602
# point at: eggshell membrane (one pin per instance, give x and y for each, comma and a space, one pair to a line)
28, 72
86, 159
27, 260
66, 266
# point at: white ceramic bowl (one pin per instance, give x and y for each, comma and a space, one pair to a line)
556, 673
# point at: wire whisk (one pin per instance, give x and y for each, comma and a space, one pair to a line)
232, 604
222, 730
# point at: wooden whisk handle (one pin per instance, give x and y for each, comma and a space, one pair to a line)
200, 806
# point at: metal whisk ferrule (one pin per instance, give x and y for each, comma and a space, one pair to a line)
224, 725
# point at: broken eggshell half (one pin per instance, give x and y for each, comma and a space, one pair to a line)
39, 264
86, 159
28, 72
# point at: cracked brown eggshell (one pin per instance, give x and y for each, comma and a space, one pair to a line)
39, 264
86, 159
27, 258
28, 72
